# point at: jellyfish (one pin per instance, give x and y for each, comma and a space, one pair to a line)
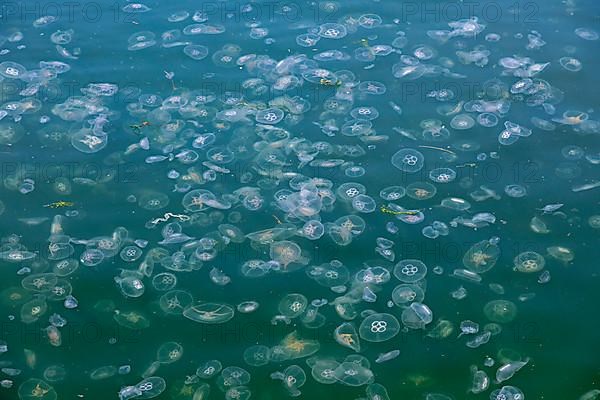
209, 313
169, 352
352, 374
347, 336
379, 327
408, 160
209, 369
501, 311
131, 319
482, 256
410, 270
295, 347
36, 389
529, 262
292, 305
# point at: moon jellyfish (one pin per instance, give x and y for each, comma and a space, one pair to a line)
33, 310
408, 160
269, 116
151, 387
515, 190
346, 335
131, 286
12, 70
410, 270
323, 371
293, 377
104, 372
209, 313
352, 374
482, 256
169, 352
295, 347
507, 393
455, 203
131, 319
257, 355
462, 122
421, 190
55, 373
416, 316
153, 201
332, 31
570, 64
501, 311
233, 376
442, 175
529, 262
36, 389
364, 203
293, 305
407, 293
10, 133
379, 327
209, 369
195, 51
286, 253
587, 34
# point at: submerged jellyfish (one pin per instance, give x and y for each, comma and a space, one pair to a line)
293, 377
347, 336
36, 389
379, 327
529, 262
169, 352
292, 305
408, 160
352, 374
410, 270
209, 313
501, 311
482, 256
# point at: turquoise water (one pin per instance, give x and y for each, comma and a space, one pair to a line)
372, 168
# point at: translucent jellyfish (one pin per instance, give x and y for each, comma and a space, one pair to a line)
507, 393
104, 372
364, 113
379, 327
196, 51
175, 301
410, 270
295, 347
39, 282
293, 377
529, 262
421, 190
482, 256
307, 39
570, 64
442, 175
408, 160
10, 133
33, 389
238, 393
269, 116
209, 369
151, 387
455, 203
462, 122
164, 281
33, 310
370, 21
312, 230
372, 88
332, 31
407, 293
392, 193
153, 201
347, 336
232, 377
293, 305
130, 253
515, 190
357, 127
352, 374
441, 330
209, 313
323, 371
91, 257
169, 352
347, 191
416, 316
55, 373
506, 137
364, 203
234, 233
501, 311
286, 252
131, 286
12, 70
131, 319
587, 34
257, 355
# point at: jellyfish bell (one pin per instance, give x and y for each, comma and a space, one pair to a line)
379, 327
209, 313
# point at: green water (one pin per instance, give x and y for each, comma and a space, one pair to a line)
556, 324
